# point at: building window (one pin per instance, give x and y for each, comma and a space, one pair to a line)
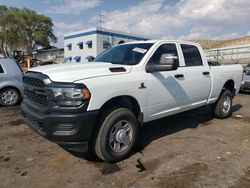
77, 59
89, 58
89, 43
106, 44
67, 60
69, 46
80, 44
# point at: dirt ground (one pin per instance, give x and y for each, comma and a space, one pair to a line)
192, 149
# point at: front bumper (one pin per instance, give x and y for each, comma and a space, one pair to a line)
70, 130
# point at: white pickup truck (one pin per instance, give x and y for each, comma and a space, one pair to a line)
99, 106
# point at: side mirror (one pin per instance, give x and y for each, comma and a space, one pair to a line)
167, 62
90, 58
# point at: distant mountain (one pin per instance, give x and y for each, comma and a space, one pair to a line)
209, 44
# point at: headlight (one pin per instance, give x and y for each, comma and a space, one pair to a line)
67, 96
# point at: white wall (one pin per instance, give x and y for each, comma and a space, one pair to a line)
112, 39
97, 42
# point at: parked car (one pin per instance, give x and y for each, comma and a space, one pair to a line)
245, 85
99, 106
11, 86
214, 63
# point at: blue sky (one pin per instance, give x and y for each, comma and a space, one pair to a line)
159, 19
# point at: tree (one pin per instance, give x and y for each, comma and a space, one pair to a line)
9, 30
3, 10
24, 28
36, 30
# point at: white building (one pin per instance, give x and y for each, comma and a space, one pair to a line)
79, 46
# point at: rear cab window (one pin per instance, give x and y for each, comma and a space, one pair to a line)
192, 56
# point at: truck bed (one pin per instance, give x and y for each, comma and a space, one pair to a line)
221, 74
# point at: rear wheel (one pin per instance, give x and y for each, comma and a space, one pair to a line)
9, 97
117, 135
223, 107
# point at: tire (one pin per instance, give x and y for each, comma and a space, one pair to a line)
117, 135
223, 107
9, 97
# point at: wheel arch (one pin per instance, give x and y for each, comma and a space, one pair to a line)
125, 101
230, 85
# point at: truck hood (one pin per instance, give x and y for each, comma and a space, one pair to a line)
71, 72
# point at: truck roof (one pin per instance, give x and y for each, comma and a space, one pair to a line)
156, 41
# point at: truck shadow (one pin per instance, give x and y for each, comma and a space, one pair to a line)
172, 124
167, 126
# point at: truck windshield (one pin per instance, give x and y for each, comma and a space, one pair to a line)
126, 54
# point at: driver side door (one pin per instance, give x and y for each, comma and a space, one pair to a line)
165, 93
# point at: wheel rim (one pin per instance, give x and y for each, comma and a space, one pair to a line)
226, 104
9, 97
120, 136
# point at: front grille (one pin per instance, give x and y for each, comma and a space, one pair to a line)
37, 98
34, 91
33, 82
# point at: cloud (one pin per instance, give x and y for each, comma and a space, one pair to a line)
159, 19
72, 6
185, 19
69, 27
62, 28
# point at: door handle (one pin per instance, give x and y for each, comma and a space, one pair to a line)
206, 73
179, 76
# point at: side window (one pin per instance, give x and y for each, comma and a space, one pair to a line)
89, 43
1, 69
164, 52
191, 55
69, 46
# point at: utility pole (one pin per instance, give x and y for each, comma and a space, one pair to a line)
100, 19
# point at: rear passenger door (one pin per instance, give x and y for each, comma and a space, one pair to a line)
196, 75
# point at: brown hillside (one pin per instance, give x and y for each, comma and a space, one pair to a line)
208, 44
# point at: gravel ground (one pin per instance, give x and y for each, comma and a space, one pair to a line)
191, 149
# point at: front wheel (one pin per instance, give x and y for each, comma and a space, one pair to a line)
117, 135
223, 107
